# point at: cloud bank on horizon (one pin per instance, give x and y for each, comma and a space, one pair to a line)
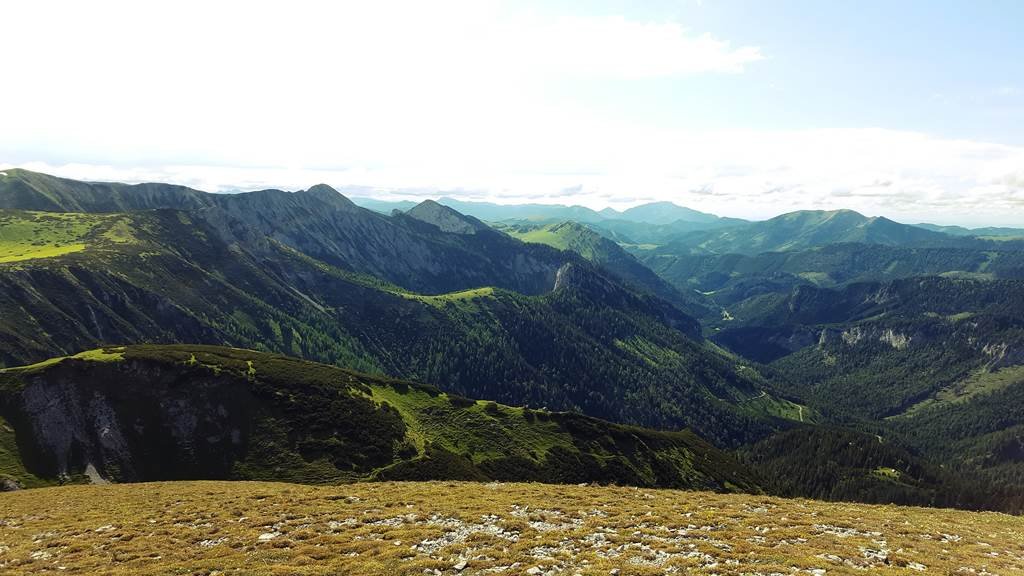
600, 105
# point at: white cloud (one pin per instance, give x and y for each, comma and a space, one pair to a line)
435, 95
616, 47
310, 84
907, 176
1013, 180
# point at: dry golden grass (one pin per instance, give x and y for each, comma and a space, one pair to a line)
466, 528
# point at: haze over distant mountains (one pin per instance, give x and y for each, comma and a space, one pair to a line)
652, 213
659, 214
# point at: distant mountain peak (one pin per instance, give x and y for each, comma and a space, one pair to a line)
321, 189
842, 217
846, 212
432, 205
665, 212
445, 218
573, 225
329, 195
819, 214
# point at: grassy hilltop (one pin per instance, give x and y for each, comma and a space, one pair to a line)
420, 528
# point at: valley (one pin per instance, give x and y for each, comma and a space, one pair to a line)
879, 359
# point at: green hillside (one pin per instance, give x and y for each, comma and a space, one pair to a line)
606, 253
26, 190
931, 363
830, 463
34, 235
566, 321
588, 343
811, 228
728, 279
140, 413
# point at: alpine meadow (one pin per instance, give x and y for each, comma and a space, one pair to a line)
722, 288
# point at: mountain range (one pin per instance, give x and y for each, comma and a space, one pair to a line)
813, 228
307, 273
681, 228
650, 213
890, 352
986, 232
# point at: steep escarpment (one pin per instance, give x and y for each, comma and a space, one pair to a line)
191, 412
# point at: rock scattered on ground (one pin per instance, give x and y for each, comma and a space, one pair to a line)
446, 528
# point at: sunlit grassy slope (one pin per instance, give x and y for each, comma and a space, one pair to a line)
978, 383
471, 528
286, 419
542, 235
31, 235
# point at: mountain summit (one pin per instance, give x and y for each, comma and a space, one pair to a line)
665, 213
445, 218
329, 195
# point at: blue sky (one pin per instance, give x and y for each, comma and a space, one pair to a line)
913, 110
954, 69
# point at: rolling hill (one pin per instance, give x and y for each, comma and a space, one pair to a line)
663, 213
144, 413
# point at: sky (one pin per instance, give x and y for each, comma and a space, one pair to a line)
908, 109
